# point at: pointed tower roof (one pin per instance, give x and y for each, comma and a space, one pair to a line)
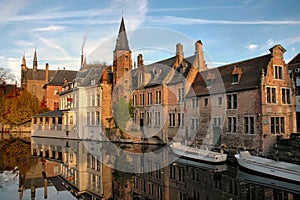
122, 41
35, 60
24, 60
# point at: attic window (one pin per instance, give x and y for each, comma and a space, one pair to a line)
210, 79
278, 72
236, 74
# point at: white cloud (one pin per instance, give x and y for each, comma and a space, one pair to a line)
252, 46
193, 21
51, 28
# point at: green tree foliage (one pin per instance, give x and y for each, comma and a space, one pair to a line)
19, 110
122, 113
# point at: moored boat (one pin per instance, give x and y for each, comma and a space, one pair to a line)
270, 167
198, 154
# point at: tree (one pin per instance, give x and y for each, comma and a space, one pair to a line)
19, 110
5, 74
122, 113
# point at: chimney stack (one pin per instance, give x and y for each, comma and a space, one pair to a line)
140, 60
47, 73
179, 54
199, 62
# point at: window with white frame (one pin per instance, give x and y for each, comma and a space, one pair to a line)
271, 95
97, 118
157, 118
195, 103
180, 93
97, 99
249, 125
195, 123
149, 98
158, 97
180, 119
286, 95
141, 99
278, 72
171, 119
277, 125
149, 118
217, 121
232, 101
220, 100
231, 124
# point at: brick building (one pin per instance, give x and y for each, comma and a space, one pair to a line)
159, 91
247, 103
294, 70
54, 87
34, 79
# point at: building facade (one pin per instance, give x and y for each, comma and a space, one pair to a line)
244, 104
54, 87
34, 79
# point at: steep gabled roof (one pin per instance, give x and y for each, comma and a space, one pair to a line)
84, 77
250, 77
61, 75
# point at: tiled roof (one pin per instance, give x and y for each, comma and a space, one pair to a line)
250, 77
62, 75
40, 74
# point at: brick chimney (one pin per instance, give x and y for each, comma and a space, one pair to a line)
179, 54
140, 60
199, 62
47, 73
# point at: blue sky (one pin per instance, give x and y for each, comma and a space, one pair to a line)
231, 30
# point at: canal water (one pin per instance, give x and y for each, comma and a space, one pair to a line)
43, 168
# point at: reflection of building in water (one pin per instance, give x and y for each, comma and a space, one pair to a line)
82, 173
185, 180
37, 177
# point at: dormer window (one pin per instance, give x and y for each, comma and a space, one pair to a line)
210, 79
236, 75
278, 72
235, 78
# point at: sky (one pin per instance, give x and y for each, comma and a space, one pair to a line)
230, 30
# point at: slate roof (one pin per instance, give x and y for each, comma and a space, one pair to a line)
84, 77
54, 113
40, 74
158, 71
61, 75
182, 70
250, 78
295, 62
122, 41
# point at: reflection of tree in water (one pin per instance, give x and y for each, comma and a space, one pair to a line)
15, 156
122, 178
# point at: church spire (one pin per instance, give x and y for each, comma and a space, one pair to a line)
35, 63
122, 41
23, 65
